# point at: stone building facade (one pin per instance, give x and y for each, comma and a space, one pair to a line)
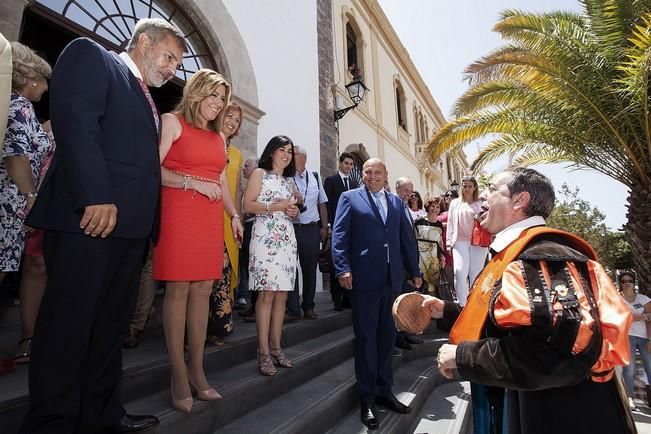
288, 63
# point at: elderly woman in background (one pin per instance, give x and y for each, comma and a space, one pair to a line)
189, 252
429, 232
220, 318
468, 259
27, 147
638, 335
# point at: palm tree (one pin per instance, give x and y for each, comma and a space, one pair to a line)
570, 88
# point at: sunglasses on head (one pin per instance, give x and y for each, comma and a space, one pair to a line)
627, 281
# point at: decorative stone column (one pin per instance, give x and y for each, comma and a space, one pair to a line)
325, 48
11, 16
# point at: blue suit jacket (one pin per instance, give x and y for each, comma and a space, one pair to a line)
107, 145
361, 242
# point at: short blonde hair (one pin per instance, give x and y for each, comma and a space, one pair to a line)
202, 83
27, 65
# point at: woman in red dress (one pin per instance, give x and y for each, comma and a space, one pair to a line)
189, 251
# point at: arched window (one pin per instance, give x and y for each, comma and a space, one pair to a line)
418, 138
113, 22
400, 106
354, 47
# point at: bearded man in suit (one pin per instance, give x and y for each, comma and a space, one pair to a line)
98, 205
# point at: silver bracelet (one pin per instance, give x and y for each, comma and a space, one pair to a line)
268, 207
186, 181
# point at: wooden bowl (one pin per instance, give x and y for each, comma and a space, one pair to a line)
409, 315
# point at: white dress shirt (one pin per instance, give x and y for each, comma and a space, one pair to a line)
313, 195
507, 235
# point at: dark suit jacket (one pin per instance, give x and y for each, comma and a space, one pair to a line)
107, 145
360, 241
333, 187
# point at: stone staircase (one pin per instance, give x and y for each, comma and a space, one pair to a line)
316, 396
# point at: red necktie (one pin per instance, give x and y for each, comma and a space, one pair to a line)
154, 110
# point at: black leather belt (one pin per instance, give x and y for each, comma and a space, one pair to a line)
306, 224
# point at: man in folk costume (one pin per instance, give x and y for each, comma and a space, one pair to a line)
544, 327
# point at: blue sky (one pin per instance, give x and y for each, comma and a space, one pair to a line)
445, 36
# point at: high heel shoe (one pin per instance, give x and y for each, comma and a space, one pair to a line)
209, 394
266, 365
280, 359
183, 405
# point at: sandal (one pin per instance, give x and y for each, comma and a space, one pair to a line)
266, 365
280, 359
25, 356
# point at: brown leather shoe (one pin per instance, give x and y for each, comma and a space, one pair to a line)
309, 314
250, 318
132, 340
291, 318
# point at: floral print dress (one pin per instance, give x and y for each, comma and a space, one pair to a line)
272, 260
25, 137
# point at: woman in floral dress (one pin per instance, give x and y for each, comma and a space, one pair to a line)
270, 195
26, 148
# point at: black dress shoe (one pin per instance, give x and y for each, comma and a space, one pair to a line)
338, 308
131, 423
413, 340
392, 403
402, 343
368, 417
132, 340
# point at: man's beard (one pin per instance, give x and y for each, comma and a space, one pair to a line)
154, 78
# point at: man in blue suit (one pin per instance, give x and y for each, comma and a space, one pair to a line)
371, 251
98, 205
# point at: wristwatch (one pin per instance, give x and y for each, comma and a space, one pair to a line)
31, 194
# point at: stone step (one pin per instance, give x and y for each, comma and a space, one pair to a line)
318, 404
414, 384
244, 390
446, 411
146, 368
306, 409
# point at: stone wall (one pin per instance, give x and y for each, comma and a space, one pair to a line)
327, 130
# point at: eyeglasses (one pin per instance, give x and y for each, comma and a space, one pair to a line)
626, 281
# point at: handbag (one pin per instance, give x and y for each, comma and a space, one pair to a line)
445, 293
480, 236
325, 258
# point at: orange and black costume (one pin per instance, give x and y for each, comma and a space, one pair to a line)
545, 373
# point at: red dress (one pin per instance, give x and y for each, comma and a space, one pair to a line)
190, 245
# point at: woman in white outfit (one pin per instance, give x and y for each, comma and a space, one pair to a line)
468, 260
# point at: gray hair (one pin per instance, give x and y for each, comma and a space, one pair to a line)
299, 150
156, 29
252, 159
403, 180
26, 65
539, 187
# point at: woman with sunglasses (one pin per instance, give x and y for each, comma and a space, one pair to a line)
638, 335
467, 259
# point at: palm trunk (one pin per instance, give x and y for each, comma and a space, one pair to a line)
638, 231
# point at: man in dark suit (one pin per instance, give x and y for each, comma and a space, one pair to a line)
335, 185
371, 250
98, 204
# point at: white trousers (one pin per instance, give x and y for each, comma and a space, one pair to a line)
468, 262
